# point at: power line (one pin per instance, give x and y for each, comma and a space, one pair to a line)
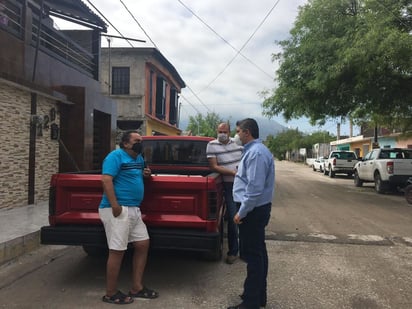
190, 103
101, 14
228, 43
159, 50
140, 26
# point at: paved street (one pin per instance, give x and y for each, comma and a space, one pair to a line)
331, 245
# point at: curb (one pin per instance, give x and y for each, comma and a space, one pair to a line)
14, 248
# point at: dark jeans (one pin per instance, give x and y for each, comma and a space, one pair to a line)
252, 238
232, 229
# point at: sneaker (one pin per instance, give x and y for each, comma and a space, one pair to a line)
230, 259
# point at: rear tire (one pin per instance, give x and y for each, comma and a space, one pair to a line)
331, 173
357, 181
95, 251
408, 194
378, 183
217, 253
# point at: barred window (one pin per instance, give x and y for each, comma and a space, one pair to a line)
120, 80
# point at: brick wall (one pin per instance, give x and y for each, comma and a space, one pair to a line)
14, 147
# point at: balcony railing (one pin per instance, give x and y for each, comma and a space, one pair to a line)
11, 13
52, 42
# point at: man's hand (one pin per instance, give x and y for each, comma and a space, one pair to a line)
236, 219
116, 210
147, 172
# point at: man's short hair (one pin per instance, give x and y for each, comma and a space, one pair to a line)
250, 125
126, 137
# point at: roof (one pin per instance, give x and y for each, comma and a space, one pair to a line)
75, 11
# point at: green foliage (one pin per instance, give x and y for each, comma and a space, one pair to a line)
204, 126
291, 140
348, 59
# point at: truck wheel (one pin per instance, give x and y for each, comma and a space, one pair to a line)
95, 251
378, 183
408, 194
331, 173
358, 182
217, 253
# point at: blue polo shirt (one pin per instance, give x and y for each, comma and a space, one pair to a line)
127, 173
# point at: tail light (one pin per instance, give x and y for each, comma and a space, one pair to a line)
212, 204
334, 162
52, 201
389, 167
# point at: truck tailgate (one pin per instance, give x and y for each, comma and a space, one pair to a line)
402, 167
78, 198
181, 201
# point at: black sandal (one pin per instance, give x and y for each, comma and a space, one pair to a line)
145, 293
119, 299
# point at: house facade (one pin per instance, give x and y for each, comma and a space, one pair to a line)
363, 144
53, 115
146, 88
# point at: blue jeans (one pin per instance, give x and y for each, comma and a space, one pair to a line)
232, 229
252, 238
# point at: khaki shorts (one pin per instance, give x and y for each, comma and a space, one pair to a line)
123, 229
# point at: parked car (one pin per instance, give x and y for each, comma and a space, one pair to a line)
388, 168
408, 190
319, 164
340, 162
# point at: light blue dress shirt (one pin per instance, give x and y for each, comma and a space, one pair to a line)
254, 183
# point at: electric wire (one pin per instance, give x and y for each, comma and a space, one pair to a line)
140, 26
101, 14
238, 51
187, 86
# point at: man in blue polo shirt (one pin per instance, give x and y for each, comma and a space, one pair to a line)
122, 179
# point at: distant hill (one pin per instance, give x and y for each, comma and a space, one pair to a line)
269, 127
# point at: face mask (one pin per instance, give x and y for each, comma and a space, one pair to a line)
222, 137
137, 148
237, 140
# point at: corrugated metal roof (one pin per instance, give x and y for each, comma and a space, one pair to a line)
75, 11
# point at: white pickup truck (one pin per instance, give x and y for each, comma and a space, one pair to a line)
340, 161
388, 168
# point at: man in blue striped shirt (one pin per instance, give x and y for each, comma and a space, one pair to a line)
253, 190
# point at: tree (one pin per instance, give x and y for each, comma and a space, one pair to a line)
284, 142
204, 126
292, 140
347, 59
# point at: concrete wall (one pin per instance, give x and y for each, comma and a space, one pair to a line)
14, 147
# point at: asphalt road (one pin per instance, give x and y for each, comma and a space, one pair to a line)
310, 202
330, 245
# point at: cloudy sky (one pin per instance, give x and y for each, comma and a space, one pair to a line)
221, 48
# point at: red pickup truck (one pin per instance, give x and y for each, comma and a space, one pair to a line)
183, 204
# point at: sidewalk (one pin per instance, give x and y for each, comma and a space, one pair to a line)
20, 229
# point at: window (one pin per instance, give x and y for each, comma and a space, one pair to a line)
176, 152
151, 93
160, 98
120, 80
173, 106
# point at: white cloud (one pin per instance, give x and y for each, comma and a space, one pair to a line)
199, 55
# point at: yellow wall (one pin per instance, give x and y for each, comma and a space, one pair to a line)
153, 126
